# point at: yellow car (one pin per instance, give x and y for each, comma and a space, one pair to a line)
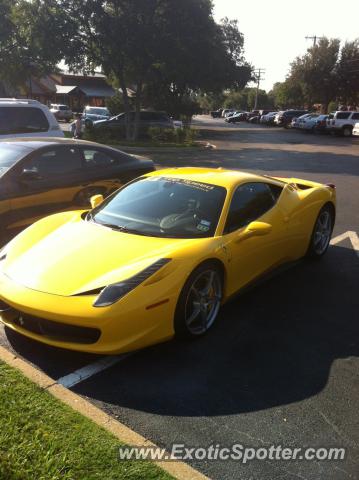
158, 257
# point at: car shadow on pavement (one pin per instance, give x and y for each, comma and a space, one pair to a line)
271, 346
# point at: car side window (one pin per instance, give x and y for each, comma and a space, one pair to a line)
250, 201
57, 161
15, 120
355, 116
98, 158
342, 115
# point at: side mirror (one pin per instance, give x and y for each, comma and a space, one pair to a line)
95, 200
254, 229
30, 174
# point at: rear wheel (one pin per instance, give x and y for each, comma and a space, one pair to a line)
322, 233
199, 302
347, 131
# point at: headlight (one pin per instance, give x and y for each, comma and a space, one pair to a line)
113, 293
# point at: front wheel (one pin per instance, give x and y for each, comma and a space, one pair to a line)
199, 302
322, 233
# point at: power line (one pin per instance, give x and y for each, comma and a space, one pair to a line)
314, 38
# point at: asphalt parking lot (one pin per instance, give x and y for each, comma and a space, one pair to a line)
281, 365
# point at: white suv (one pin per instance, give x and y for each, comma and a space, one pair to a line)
61, 112
342, 122
27, 118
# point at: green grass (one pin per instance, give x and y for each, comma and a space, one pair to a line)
43, 439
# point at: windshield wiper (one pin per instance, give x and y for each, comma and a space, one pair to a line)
119, 228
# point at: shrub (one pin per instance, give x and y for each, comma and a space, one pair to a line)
190, 135
169, 135
158, 134
104, 134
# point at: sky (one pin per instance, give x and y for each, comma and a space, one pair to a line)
275, 30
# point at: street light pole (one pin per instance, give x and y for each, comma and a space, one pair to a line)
258, 75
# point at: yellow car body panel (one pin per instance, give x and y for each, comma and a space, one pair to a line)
53, 269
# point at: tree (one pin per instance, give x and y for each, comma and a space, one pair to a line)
288, 94
347, 71
174, 46
34, 37
316, 72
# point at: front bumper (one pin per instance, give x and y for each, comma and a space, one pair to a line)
73, 322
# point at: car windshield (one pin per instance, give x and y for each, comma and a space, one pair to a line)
9, 155
97, 111
163, 207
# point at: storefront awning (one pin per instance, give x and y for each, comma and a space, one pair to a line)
98, 92
65, 89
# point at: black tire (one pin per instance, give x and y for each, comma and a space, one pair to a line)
182, 330
316, 250
347, 131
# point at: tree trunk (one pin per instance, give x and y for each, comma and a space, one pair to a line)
136, 128
126, 104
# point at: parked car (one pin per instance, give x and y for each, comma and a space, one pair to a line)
268, 118
321, 124
253, 113
308, 122
93, 114
296, 121
284, 118
254, 119
27, 118
217, 113
148, 119
148, 263
343, 123
61, 112
227, 110
238, 117
264, 112
355, 131
39, 176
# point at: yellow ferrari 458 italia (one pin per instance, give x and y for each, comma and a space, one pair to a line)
158, 257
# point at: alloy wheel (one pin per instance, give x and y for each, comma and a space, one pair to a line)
203, 302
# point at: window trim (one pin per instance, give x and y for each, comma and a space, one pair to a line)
225, 232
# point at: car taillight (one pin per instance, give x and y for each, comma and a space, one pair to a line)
331, 185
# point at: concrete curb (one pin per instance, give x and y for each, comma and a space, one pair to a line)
149, 150
177, 469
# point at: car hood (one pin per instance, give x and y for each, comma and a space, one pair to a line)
98, 118
78, 256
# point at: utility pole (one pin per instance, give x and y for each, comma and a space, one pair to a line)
258, 73
314, 38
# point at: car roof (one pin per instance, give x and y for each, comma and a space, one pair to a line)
213, 176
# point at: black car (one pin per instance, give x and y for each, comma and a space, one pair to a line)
217, 113
238, 117
285, 118
41, 176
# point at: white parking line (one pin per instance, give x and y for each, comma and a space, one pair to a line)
88, 371
353, 237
